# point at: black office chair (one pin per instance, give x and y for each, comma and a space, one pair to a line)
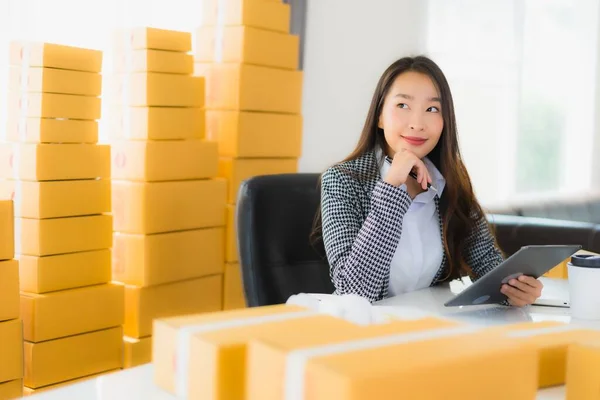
274, 219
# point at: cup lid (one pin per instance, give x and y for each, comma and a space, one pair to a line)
585, 260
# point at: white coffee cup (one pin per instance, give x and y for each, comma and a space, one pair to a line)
584, 287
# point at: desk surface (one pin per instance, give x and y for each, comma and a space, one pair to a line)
137, 383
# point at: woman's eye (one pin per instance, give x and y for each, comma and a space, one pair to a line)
402, 105
433, 109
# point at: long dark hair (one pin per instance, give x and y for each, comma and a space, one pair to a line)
460, 211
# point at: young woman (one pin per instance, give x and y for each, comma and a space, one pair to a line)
387, 232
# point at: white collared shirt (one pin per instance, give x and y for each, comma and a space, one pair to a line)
419, 254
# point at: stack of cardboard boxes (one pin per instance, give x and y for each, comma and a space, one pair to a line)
59, 178
287, 351
11, 327
168, 204
253, 88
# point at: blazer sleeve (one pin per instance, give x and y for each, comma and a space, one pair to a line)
482, 254
360, 252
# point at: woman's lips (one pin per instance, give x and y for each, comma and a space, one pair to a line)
415, 141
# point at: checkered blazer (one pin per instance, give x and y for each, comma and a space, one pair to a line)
362, 224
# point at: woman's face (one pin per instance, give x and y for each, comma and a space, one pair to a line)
411, 117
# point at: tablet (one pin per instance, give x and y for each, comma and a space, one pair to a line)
533, 261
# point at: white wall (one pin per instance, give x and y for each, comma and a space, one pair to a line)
348, 46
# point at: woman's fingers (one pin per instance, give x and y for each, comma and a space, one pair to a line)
518, 296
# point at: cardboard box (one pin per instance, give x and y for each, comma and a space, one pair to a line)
152, 38
29, 391
230, 350
54, 105
46, 237
11, 348
233, 290
551, 345
137, 351
583, 375
433, 363
231, 248
146, 260
247, 45
147, 60
557, 272
236, 170
9, 290
193, 296
47, 130
55, 56
172, 160
217, 342
140, 89
157, 123
52, 80
169, 334
159, 207
64, 271
11, 389
274, 16
255, 135
73, 357
7, 226
251, 88
71, 312
50, 162
55, 199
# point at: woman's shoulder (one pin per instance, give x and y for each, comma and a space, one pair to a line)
355, 171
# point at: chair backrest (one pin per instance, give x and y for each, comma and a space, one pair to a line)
274, 219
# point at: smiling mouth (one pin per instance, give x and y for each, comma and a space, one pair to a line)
414, 140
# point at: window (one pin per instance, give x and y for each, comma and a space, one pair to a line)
523, 75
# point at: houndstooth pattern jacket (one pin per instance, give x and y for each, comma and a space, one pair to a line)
362, 224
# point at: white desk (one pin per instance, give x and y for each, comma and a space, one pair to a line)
137, 383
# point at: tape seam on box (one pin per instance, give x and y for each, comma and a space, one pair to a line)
295, 364
23, 98
544, 331
218, 55
125, 95
182, 346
